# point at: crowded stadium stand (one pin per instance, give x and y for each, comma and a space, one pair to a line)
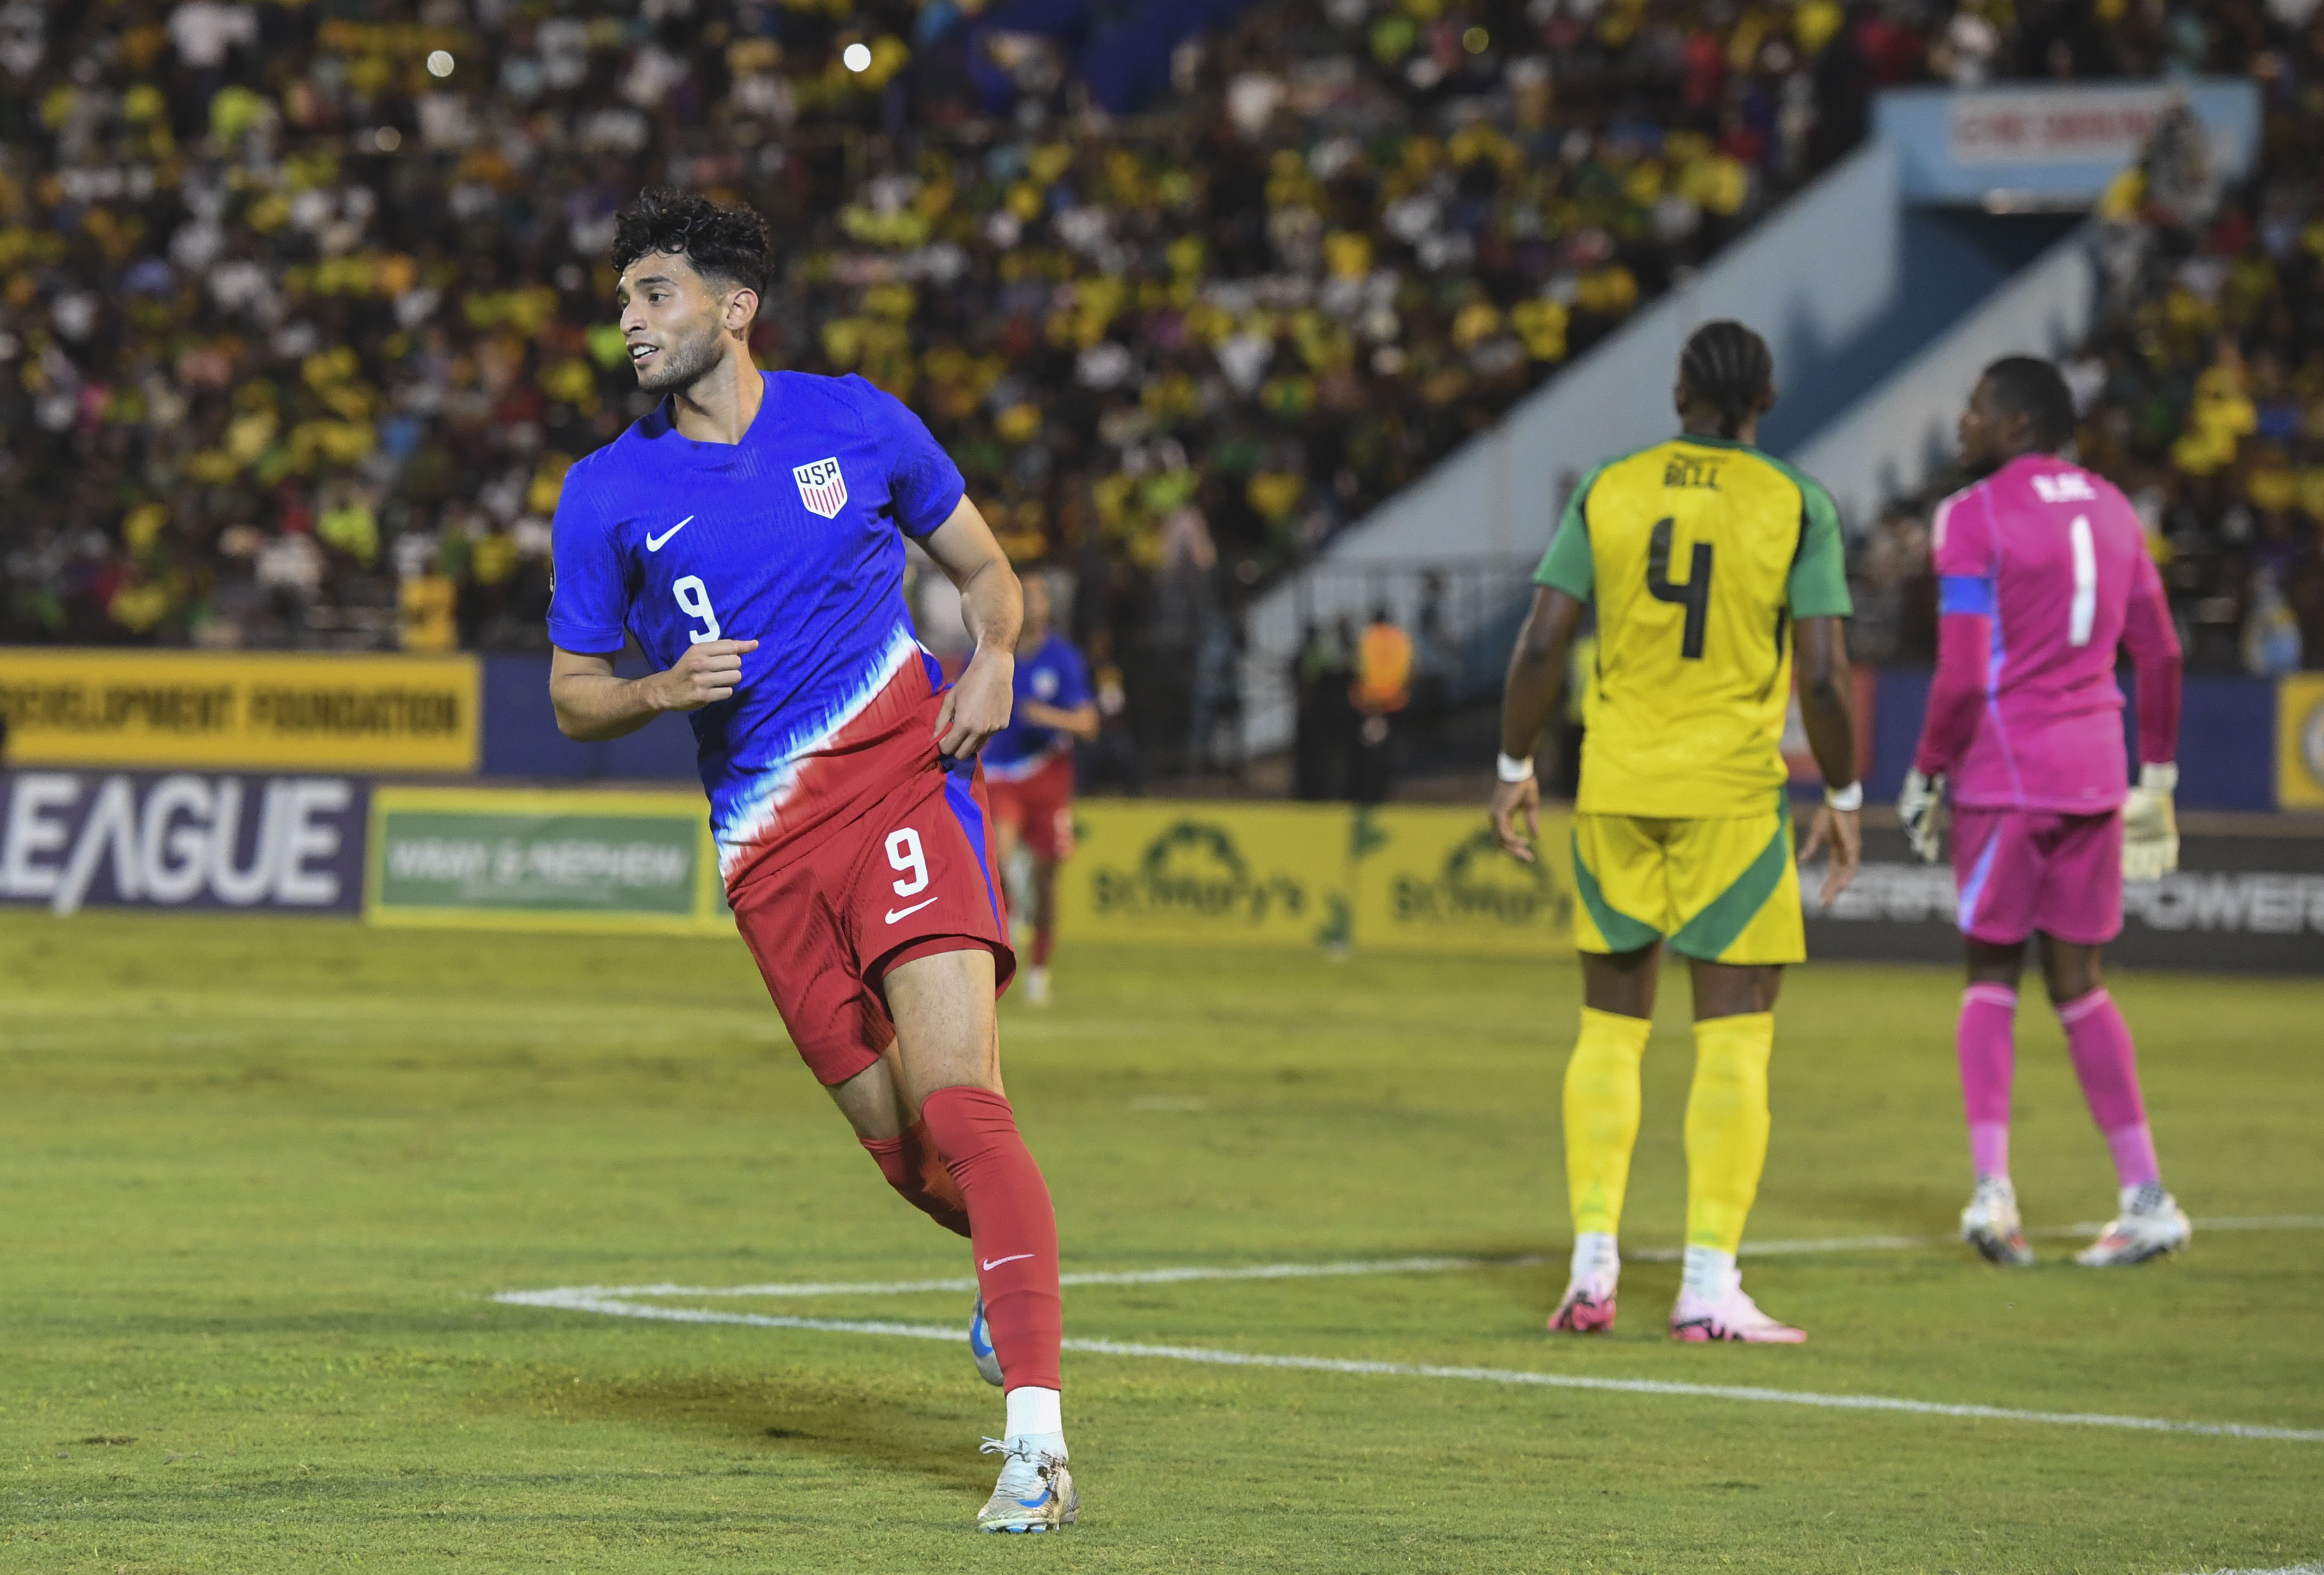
306, 307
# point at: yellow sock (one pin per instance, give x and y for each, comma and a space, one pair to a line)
1727, 1127
1601, 1116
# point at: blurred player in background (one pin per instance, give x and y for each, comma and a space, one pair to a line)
750, 533
1029, 769
2043, 574
1708, 563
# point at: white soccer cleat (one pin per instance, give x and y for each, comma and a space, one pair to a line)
1729, 1316
980, 1346
1991, 1225
1035, 1493
2149, 1224
1037, 986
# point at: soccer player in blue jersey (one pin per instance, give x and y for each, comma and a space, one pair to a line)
749, 535
1030, 765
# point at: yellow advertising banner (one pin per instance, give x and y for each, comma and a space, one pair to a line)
1434, 880
2299, 742
1240, 874
254, 710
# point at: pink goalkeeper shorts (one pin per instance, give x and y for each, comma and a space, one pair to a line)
2019, 871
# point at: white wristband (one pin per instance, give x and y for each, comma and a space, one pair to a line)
1513, 770
2159, 776
1846, 800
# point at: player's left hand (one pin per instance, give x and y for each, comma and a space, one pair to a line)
977, 707
1842, 831
1515, 802
2149, 830
1920, 811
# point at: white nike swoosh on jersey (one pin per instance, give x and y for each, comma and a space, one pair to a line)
997, 1262
896, 913
654, 543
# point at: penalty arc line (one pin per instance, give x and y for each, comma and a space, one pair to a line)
579, 1302
1380, 1266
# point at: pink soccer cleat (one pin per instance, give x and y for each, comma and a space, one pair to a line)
1730, 1316
1588, 1308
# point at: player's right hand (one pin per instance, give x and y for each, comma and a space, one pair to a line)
1514, 802
706, 674
1839, 834
1919, 810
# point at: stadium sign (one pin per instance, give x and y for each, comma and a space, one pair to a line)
182, 840
262, 711
2250, 904
2055, 145
572, 860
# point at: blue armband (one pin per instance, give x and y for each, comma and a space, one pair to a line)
1966, 594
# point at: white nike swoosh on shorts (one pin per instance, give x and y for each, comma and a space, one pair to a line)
997, 1262
896, 913
654, 543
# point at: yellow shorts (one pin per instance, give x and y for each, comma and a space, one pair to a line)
1718, 890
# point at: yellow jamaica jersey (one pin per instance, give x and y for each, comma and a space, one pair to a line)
1698, 553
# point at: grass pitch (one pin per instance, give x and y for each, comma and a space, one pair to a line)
262, 1177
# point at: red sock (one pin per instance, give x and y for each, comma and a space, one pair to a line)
911, 1166
1015, 1229
1044, 937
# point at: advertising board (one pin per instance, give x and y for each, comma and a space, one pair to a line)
1433, 879
182, 840
493, 859
2299, 742
251, 710
1247, 874
2237, 904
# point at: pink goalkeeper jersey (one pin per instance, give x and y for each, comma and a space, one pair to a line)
2056, 559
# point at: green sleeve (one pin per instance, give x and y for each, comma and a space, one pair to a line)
1567, 566
1818, 586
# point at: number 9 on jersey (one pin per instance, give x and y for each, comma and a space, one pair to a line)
694, 600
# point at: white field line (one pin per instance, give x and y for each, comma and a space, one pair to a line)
1380, 1266
582, 1302
2287, 1570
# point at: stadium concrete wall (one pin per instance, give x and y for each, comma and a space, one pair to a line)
1891, 442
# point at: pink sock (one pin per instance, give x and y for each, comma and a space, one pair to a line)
2106, 1061
1989, 1060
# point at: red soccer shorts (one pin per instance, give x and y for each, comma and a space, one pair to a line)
2018, 871
914, 874
1040, 807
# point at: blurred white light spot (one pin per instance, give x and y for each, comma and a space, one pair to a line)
387, 139
856, 56
439, 62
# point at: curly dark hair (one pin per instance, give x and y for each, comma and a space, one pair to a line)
1728, 367
725, 243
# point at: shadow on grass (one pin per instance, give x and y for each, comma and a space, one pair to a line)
929, 1431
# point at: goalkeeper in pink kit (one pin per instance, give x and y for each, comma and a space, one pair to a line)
2043, 573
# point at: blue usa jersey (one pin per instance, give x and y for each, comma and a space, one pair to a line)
793, 537
1053, 675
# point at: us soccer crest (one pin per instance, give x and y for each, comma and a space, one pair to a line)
822, 488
